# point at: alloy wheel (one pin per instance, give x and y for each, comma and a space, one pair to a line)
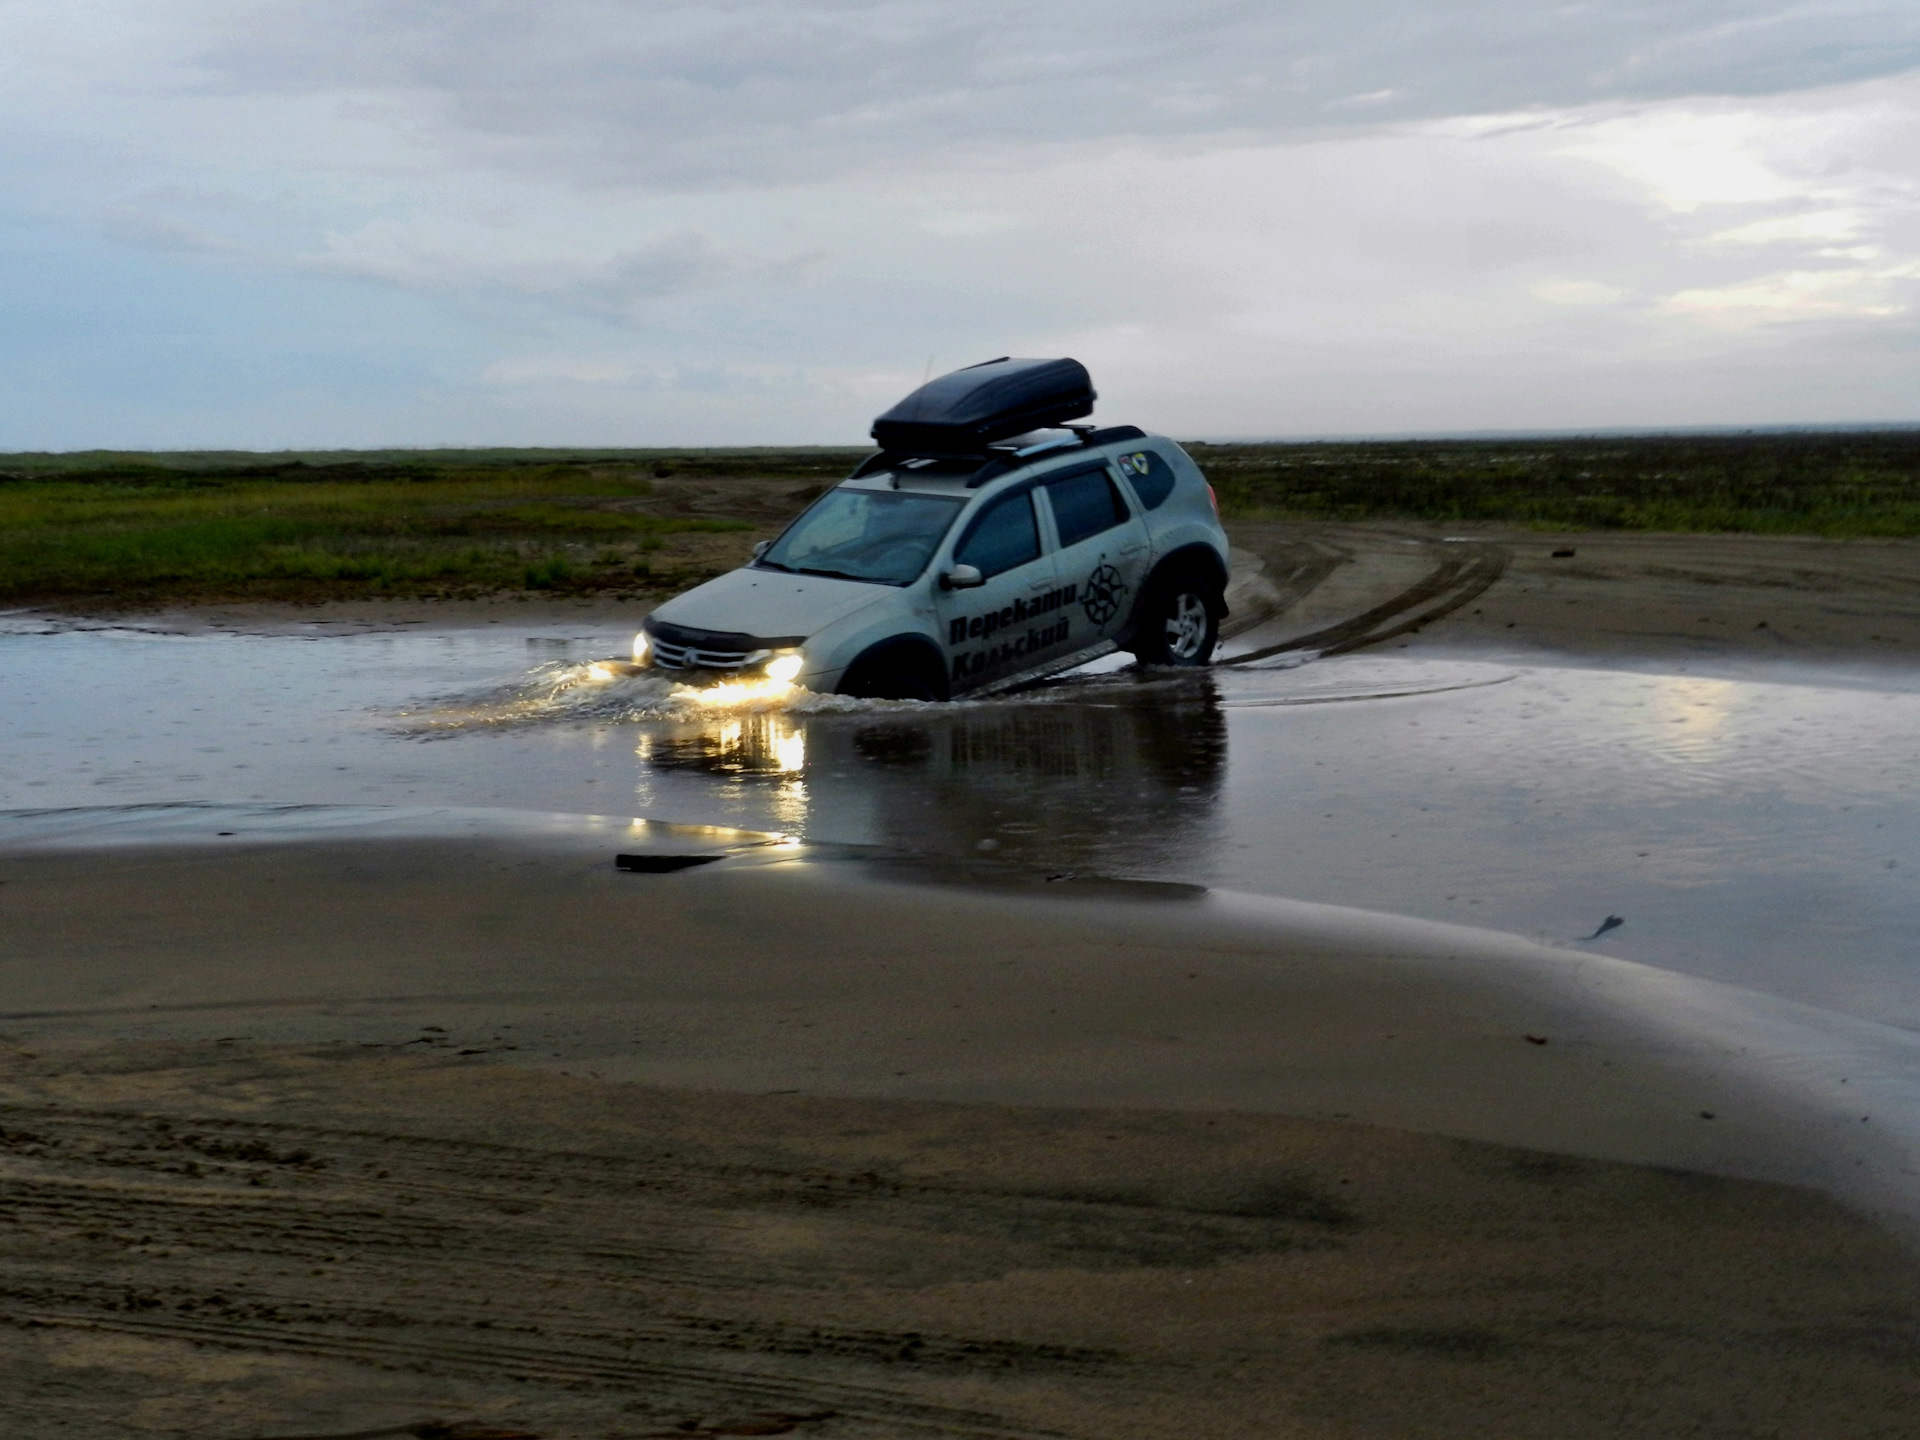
1186, 626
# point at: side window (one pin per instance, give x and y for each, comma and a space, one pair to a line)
1085, 503
1002, 536
1152, 477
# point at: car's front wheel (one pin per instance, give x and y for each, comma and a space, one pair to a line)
896, 671
1179, 622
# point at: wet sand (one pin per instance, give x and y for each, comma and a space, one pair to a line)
339, 1122
1644, 597
1649, 595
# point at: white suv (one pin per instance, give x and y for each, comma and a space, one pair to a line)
958, 560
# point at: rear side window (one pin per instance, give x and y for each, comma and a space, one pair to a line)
1152, 477
1085, 502
1003, 536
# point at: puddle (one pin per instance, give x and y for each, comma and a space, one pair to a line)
1760, 833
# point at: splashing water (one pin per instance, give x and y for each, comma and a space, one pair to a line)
614, 690
620, 691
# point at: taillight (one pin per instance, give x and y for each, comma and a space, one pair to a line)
1215, 499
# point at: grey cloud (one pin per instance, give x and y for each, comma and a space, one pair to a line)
191, 218
756, 90
674, 265
153, 230
628, 287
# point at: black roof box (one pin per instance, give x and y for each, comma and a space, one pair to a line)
966, 411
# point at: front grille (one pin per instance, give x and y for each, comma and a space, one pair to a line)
682, 647
687, 657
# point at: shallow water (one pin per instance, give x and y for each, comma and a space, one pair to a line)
1762, 833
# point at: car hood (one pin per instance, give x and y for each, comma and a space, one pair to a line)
770, 603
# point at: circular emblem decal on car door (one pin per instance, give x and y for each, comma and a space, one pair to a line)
1102, 594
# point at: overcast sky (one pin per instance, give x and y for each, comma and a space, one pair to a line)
376, 222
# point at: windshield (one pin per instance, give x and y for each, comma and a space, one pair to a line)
878, 535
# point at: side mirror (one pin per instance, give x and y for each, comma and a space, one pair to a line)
962, 577
762, 548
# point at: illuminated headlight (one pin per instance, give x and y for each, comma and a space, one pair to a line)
641, 646
784, 666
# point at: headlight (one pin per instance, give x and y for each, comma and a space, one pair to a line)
641, 646
784, 667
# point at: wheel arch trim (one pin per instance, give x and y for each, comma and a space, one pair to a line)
1198, 555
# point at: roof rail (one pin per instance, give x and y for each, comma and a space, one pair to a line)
1004, 459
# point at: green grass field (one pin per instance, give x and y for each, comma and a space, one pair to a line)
153, 528
1853, 483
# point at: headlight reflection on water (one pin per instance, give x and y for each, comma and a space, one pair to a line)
736, 692
757, 749
790, 752
766, 746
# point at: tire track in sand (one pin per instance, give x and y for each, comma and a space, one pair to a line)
1461, 570
679, 1277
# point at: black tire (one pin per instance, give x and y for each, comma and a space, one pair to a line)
1179, 620
898, 672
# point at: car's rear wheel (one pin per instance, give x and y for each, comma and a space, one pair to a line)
1179, 621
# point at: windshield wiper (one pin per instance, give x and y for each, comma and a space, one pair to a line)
767, 564
831, 574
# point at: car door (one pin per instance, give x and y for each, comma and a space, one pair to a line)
1020, 616
1102, 552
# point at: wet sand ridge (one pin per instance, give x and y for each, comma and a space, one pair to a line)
344, 1134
